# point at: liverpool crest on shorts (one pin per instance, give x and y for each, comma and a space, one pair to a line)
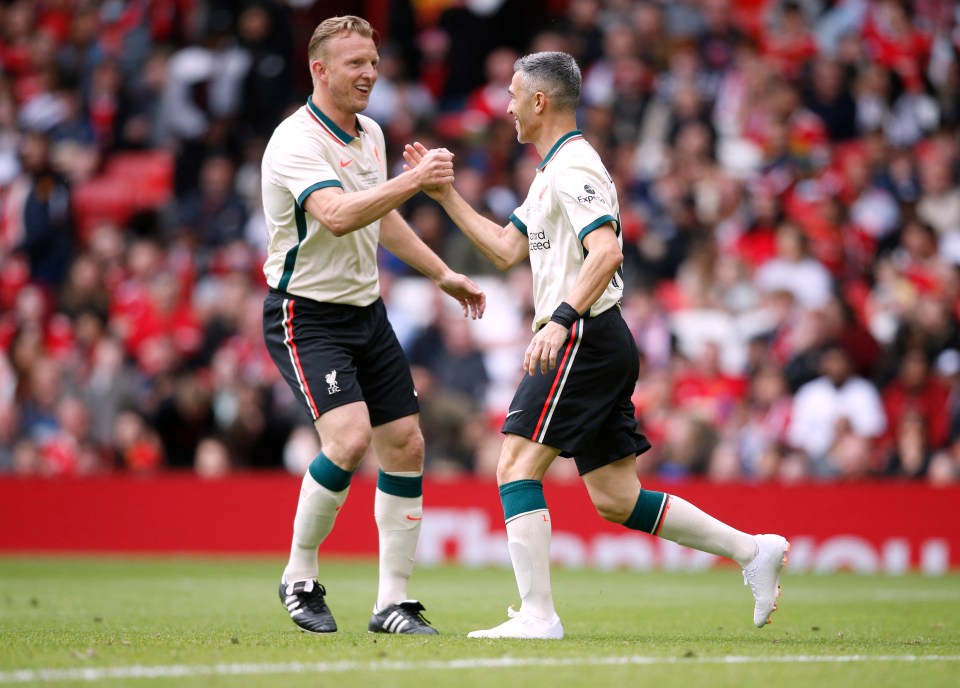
332, 385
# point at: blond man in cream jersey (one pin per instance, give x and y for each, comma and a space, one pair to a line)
328, 205
582, 361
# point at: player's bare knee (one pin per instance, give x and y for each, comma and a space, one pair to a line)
347, 448
611, 509
401, 450
412, 446
510, 468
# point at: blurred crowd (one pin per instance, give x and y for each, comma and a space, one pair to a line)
789, 180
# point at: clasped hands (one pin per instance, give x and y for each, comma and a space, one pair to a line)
434, 168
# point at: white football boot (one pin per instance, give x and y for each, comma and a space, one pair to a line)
523, 625
763, 576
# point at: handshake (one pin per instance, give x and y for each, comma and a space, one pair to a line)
433, 168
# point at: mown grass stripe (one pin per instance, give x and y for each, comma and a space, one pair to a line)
92, 674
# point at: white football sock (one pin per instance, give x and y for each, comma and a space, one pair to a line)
528, 538
687, 525
316, 511
398, 520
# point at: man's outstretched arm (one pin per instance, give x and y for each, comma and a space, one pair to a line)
342, 213
503, 246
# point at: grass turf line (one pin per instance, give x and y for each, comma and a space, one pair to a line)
76, 613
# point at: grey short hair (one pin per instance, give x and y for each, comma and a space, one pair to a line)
554, 73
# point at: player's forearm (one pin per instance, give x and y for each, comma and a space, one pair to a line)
397, 237
483, 233
349, 212
598, 269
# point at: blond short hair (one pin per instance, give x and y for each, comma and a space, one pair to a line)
330, 28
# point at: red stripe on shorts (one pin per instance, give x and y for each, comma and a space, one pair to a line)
296, 358
556, 379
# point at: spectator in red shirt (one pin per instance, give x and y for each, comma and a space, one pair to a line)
758, 243
705, 390
789, 45
489, 101
16, 30
894, 43
916, 390
842, 323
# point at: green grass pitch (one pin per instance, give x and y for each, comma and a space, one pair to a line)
155, 623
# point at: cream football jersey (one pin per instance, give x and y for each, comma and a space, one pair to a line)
571, 196
309, 152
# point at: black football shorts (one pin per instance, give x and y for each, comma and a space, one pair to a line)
333, 354
584, 406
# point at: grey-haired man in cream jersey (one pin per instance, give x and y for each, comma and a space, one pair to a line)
329, 205
582, 361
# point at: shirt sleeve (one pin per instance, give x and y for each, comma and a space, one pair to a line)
517, 221
520, 217
303, 171
584, 195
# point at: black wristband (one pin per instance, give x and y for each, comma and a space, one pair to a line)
565, 315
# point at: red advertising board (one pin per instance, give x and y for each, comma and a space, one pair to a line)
870, 527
